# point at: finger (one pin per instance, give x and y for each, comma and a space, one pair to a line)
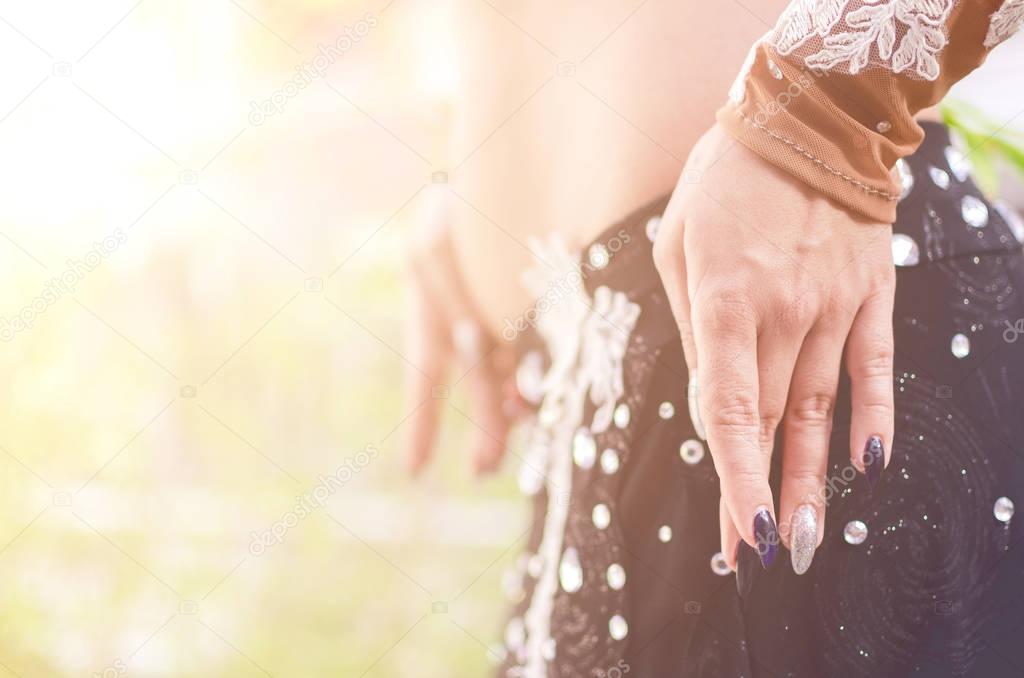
671, 264
776, 357
725, 335
485, 390
730, 536
869, 361
807, 428
428, 353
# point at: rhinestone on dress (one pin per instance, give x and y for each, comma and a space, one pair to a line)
570, 573
905, 251
974, 211
884, 127
1003, 509
855, 532
1012, 218
601, 516
616, 576
719, 566
617, 627
691, 451
939, 177
621, 415
652, 228
609, 461
774, 69
584, 448
665, 534
960, 346
547, 649
666, 410
598, 256
906, 177
958, 162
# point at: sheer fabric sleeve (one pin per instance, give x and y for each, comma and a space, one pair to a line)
829, 95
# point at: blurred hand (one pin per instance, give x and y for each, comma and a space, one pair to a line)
443, 332
768, 282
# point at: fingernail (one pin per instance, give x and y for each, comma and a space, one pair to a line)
746, 568
874, 460
693, 402
804, 537
766, 535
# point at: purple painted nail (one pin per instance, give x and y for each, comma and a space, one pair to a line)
874, 461
766, 535
746, 568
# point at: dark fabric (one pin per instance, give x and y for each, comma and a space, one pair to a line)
936, 589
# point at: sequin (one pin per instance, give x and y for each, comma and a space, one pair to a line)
691, 451
609, 461
1012, 218
598, 256
584, 448
601, 515
1003, 509
906, 177
960, 346
958, 163
905, 251
652, 228
719, 566
855, 532
939, 177
884, 127
622, 415
570, 572
617, 627
774, 69
666, 410
616, 576
665, 534
974, 211
548, 648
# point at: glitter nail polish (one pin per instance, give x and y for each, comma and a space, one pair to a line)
804, 537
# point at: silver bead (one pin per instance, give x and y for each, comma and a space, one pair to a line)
1003, 509
570, 572
691, 451
855, 532
905, 251
958, 163
609, 461
617, 627
548, 648
652, 228
598, 256
530, 377
884, 127
774, 69
530, 480
515, 633
939, 177
601, 516
666, 410
974, 211
906, 177
665, 534
621, 416
616, 576
584, 448
1012, 219
960, 346
535, 565
719, 566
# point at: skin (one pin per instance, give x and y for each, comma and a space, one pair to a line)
766, 308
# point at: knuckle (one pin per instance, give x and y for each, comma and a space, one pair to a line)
725, 306
813, 409
736, 413
766, 432
877, 362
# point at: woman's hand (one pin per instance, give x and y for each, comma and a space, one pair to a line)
442, 332
768, 282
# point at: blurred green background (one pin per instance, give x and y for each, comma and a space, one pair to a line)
237, 339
